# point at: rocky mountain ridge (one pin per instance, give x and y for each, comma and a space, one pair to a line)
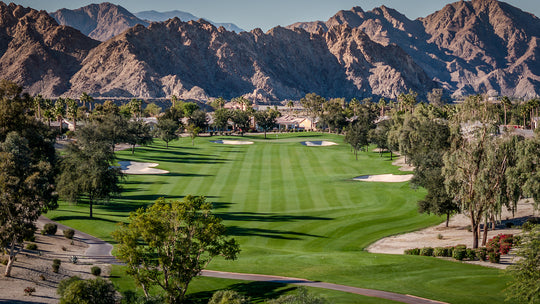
468, 47
354, 54
184, 16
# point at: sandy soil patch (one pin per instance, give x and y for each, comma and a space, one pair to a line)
403, 166
456, 233
33, 269
232, 142
131, 167
384, 178
322, 143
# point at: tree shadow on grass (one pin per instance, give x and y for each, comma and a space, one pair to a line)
82, 217
188, 160
268, 217
269, 233
258, 292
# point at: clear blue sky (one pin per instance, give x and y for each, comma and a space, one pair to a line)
249, 14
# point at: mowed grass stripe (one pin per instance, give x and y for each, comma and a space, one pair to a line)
264, 187
288, 180
240, 196
280, 200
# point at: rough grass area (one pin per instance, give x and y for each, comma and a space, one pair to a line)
297, 212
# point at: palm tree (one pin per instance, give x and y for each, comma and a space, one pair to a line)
507, 104
72, 109
87, 98
60, 111
382, 105
38, 102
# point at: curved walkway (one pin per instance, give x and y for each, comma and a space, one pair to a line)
100, 251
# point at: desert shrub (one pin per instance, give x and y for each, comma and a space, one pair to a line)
4, 261
494, 257
303, 296
439, 251
31, 246
30, 238
426, 251
448, 251
413, 251
440, 236
65, 283
131, 297
481, 253
74, 259
29, 290
530, 223
228, 297
56, 265
459, 253
470, 254
69, 233
50, 228
64, 248
95, 270
42, 277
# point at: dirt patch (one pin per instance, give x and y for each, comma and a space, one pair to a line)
456, 233
403, 166
33, 269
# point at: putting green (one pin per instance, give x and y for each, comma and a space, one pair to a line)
297, 212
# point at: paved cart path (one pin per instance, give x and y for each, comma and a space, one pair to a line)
100, 251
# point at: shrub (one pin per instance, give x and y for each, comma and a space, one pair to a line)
439, 251
4, 261
509, 224
56, 265
228, 297
42, 277
65, 283
29, 290
69, 233
440, 236
501, 243
49, 228
481, 253
494, 257
95, 270
64, 248
31, 246
30, 238
414, 251
470, 254
449, 252
426, 251
73, 259
459, 253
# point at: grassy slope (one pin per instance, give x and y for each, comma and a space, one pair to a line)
296, 212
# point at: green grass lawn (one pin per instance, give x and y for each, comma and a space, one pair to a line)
296, 212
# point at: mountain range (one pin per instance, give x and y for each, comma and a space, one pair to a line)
468, 47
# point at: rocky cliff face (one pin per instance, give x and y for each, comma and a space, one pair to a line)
467, 47
184, 16
98, 21
37, 53
478, 46
195, 60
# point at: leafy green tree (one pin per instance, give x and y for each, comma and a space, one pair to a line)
379, 135
193, 133
152, 109
167, 129
266, 120
138, 133
221, 118
334, 115
169, 244
357, 136
525, 286
94, 291
190, 108
27, 162
313, 104
198, 119
242, 120
87, 169
435, 97
135, 105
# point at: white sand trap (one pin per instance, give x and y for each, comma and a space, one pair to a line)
385, 178
323, 143
232, 142
131, 167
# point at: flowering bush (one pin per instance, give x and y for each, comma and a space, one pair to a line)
501, 243
29, 290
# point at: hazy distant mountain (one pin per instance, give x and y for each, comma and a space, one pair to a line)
478, 46
184, 16
98, 21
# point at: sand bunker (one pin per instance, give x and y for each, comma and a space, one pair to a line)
385, 178
232, 142
318, 143
131, 167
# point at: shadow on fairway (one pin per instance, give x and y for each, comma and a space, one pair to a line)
188, 160
82, 217
268, 217
257, 291
269, 233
